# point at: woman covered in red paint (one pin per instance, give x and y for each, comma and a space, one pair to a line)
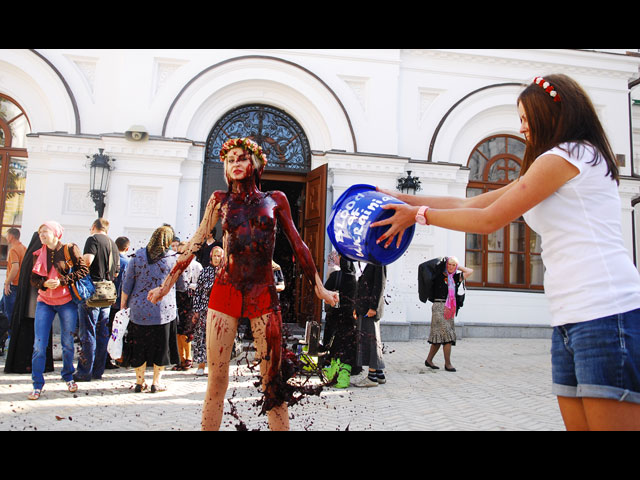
245, 287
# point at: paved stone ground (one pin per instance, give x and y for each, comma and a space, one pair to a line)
500, 384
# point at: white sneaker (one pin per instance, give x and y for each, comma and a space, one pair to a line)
365, 381
200, 372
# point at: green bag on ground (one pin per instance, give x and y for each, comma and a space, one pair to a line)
344, 376
331, 370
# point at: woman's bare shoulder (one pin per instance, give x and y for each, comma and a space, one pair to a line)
277, 195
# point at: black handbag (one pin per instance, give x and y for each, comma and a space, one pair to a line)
460, 296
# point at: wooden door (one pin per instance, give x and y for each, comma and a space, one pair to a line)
309, 306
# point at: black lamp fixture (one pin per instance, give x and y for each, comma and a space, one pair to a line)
99, 172
408, 184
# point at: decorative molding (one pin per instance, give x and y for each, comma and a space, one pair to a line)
87, 68
268, 59
539, 60
163, 69
143, 201
426, 97
358, 86
76, 200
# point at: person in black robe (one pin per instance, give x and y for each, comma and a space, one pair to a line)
339, 340
22, 334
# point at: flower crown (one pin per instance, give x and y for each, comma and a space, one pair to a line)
245, 143
547, 87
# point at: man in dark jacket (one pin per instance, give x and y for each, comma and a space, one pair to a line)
369, 309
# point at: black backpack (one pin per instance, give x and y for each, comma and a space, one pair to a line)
426, 273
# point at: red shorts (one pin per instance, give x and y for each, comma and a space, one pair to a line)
258, 301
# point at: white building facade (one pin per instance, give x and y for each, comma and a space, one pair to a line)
358, 116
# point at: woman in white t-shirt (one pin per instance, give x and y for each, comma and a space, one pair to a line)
568, 193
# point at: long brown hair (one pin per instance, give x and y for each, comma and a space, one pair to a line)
572, 119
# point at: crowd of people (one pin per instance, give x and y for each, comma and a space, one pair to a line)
170, 332
39, 285
182, 312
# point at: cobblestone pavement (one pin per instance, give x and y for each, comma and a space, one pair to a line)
500, 384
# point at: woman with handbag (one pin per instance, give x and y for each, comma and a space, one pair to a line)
444, 309
54, 278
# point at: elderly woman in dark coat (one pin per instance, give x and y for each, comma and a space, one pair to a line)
442, 331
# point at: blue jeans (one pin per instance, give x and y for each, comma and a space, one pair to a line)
8, 301
599, 358
68, 315
93, 330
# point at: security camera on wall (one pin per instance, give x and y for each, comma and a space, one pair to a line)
136, 133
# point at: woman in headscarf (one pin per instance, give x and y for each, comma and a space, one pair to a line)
245, 285
20, 350
152, 329
53, 276
444, 310
200, 306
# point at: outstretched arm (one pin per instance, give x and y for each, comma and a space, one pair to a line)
444, 202
209, 220
493, 210
301, 250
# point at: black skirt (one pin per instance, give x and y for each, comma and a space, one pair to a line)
153, 344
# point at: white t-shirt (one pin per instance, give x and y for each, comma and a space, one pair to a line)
589, 273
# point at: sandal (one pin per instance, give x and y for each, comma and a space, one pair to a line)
35, 394
158, 388
72, 386
140, 387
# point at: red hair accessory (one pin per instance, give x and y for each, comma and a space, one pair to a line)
547, 87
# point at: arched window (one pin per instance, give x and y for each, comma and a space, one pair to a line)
509, 257
279, 135
14, 126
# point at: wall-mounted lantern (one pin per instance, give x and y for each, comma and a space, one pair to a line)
408, 184
99, 172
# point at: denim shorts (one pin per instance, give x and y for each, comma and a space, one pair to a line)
598, 358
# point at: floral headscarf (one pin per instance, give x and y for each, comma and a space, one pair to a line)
159, 243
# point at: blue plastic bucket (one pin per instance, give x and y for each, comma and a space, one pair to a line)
349, 226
